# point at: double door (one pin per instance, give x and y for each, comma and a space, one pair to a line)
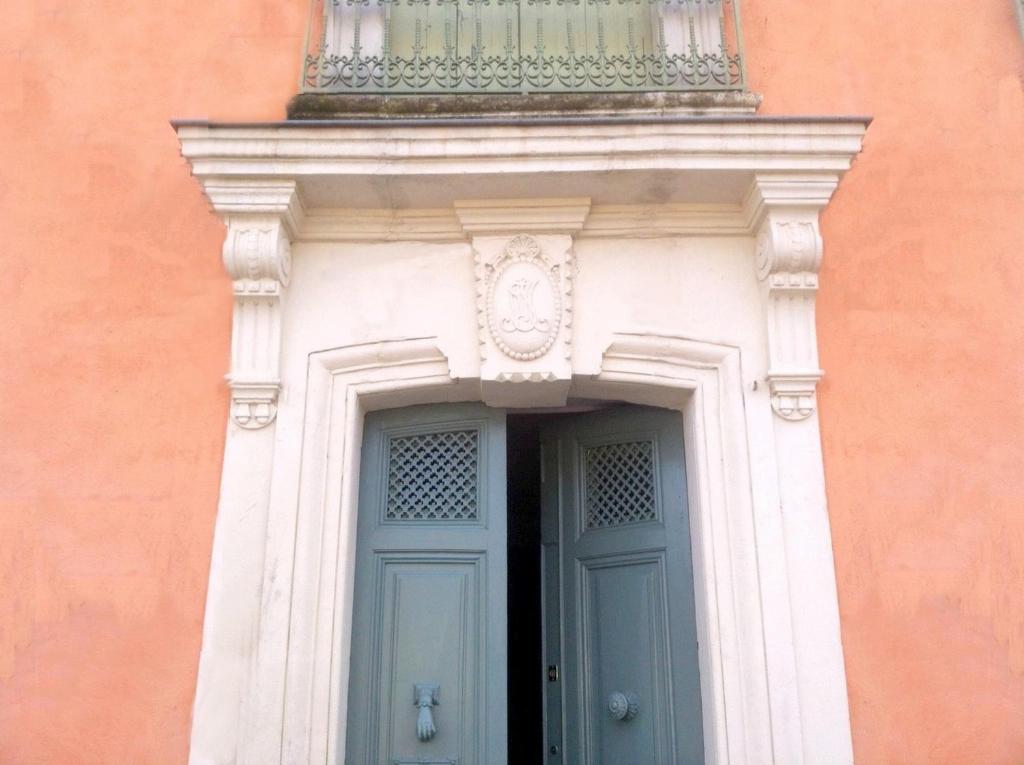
618, 684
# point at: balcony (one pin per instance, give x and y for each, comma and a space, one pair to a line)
557, 49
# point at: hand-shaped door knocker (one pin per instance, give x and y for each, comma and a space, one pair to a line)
426, 696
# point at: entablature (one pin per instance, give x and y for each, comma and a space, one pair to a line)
458, 179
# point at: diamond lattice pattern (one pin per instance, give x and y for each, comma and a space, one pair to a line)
433, 476
619, 483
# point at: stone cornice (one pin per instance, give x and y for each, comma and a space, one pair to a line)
304, 149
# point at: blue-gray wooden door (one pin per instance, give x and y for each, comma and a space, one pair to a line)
629, 688
428, 678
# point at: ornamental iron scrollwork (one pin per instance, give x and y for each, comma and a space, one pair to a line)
523, 46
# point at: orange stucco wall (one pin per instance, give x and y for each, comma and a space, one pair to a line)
114, 334
921, 333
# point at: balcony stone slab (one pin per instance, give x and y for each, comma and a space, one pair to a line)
321, 106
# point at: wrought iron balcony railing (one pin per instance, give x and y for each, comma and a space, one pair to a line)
426, 47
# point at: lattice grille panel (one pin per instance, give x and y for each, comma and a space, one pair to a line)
433, 476
619, 483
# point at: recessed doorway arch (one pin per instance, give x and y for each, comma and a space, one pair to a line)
701, 380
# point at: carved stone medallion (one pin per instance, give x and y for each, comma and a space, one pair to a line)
524, 301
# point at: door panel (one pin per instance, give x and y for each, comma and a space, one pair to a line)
623, 641
428, 680
630, 689
431, 610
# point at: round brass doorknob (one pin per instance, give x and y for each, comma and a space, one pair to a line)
623, 706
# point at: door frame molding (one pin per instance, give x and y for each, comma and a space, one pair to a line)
273, 632
745, 597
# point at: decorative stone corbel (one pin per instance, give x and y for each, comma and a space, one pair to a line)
262, 218
788, 256
523, 250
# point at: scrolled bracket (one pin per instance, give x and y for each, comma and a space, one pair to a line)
787, 258
261, 219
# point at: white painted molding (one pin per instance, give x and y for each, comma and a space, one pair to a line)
381, 225
658, 220
482, 217
788, 257
603, 222
261, 218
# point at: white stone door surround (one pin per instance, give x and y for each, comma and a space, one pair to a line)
673, 263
